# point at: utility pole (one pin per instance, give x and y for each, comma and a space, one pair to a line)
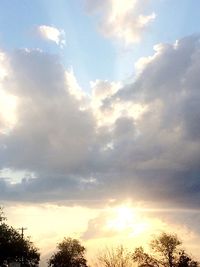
22, 229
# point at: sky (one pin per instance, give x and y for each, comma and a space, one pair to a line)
99, 121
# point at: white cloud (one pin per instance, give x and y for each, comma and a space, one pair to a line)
107, 115
73, 87
8, 102
52, 33
124, 20
8, 105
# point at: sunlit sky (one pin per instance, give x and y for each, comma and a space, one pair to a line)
99, 120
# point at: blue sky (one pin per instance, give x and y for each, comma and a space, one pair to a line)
19, 20
99, 116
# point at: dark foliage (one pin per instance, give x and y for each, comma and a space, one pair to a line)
70, 254
14, 248
166, 253
185, 260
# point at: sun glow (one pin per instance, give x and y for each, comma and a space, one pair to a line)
127, 219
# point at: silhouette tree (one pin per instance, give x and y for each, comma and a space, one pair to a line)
144, 259
166, 253
14, 248
115, 257
166, 245
70, 254
2, 216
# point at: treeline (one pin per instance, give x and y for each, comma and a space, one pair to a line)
166, 250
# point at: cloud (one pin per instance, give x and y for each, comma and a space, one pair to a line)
125, 20
58, 131
138, 141
52, 34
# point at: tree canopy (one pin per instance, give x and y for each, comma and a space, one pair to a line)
167, 247
70, 254
167, 252
15, 248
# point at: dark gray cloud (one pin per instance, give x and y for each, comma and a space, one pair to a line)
152, 158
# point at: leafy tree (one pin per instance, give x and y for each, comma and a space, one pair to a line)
115, 257
14, 248
166, 245
167, 253
70, 254
2, 217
